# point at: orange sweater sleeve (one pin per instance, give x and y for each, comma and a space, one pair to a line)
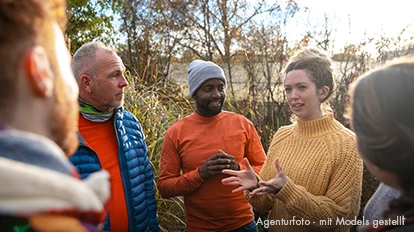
254, 150
171, 183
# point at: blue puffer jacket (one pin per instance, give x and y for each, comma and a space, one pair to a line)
135, 169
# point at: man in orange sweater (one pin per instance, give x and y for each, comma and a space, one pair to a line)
197, 148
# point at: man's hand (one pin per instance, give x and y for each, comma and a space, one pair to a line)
216, 163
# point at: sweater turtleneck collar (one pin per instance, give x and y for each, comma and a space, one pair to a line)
317, 127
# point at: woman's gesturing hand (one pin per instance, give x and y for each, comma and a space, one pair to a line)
272, 186
246, 179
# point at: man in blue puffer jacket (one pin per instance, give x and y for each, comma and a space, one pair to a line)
111, 138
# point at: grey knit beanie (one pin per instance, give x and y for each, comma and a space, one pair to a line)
200, 71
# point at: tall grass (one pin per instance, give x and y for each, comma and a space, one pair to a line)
157, 107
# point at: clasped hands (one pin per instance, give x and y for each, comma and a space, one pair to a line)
216, 163
247, 180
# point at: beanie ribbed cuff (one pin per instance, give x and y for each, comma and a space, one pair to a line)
200, 71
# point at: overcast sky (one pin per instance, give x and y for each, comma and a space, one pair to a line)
372, 17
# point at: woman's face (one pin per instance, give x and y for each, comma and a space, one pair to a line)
302, 96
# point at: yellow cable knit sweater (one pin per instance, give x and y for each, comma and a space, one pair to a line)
324, 177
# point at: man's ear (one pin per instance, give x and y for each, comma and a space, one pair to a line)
86, 83
39, 73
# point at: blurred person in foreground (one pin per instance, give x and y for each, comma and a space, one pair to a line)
198, 147
378, 203
321, 179
111, 138
40, 188
382, 116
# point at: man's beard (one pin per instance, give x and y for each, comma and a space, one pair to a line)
64, 119
103, 100
214, 111
211, 111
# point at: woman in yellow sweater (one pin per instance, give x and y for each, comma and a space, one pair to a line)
319, 187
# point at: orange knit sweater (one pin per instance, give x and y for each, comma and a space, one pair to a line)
324, 177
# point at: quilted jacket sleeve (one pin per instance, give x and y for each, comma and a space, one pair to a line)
149, 191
